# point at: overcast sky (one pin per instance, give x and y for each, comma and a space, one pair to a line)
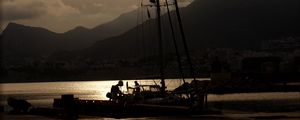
63, 15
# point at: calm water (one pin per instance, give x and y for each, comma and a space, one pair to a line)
42, 94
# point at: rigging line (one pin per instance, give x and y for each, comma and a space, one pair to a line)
138, 40
165, 38
162, 72
149, 30
143, 34
142, 37
152, 52
184, 41
175, 43
1, 54
144, 40
137, 24
168, 39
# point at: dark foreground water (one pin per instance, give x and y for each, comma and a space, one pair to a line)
281, 105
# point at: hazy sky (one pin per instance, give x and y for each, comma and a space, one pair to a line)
63, 15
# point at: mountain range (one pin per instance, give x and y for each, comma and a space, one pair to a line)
25, 41
238, 24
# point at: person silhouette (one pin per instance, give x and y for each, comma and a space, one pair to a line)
137, 87
115, 91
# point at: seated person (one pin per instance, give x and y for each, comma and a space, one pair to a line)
115, 92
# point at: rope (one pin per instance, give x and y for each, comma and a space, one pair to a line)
175, 43
184, 41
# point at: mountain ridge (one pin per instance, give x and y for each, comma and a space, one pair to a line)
207, 24
212, 24
14, 36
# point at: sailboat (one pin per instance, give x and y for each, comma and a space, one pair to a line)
188, 98
190, 90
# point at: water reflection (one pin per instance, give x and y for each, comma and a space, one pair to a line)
84, 90
41, 93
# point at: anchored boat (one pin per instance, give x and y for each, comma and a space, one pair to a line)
188, 98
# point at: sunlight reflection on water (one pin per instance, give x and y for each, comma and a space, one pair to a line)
82, 89
42, 93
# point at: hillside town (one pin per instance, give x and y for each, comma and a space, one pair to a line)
274, 56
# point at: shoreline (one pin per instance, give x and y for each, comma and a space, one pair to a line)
227, 114
233, 109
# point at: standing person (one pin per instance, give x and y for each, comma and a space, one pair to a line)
137, 91
137, 87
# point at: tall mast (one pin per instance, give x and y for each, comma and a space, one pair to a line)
161, 54
175, 43
186, 50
